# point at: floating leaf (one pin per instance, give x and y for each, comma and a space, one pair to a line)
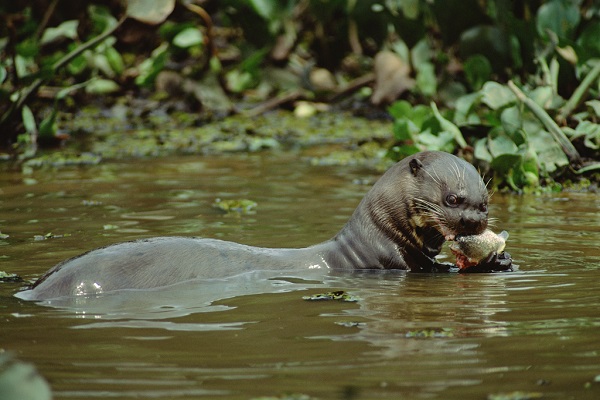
430, 333
6, 277
336, 295
241, 206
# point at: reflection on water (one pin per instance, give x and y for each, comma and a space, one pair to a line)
440, 336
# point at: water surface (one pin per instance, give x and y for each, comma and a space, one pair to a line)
410, 336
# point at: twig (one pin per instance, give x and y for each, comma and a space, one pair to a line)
47, 14
274, 103
579, 93
352, 86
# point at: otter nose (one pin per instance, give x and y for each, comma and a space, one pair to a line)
473, 222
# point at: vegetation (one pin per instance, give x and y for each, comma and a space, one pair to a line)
513, 86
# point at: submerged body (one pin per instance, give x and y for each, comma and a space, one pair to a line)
401, 223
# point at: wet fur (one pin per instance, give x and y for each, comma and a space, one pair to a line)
401, 223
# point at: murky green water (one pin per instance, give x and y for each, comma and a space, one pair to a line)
535, 330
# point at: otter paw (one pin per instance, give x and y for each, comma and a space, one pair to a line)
502, 262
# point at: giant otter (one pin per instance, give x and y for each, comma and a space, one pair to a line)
401, 223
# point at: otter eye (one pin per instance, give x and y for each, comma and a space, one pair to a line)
483, 207
452, 200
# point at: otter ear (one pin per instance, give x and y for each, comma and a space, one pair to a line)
415, 165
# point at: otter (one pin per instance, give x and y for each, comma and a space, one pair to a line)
401, 223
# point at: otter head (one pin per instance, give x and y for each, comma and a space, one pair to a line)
451, 197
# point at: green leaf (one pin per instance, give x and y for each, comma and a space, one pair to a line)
496, 96
3, 74
506, 162
448, 126
77, 65
400, 109
587, 168
426, 79
48, 125
477, 71
267, 9
188, 37
102, 18
559, 17
67, 29
464, 105
410, 8
481, 151
549, 153
511, 119
591, 134
421, 54
543, 96
238, 81
490, 41
502, 145
588, 41
150, 67
27, 48
28, 120
444, 141
151, 12
593, 104
102, 86
114, 60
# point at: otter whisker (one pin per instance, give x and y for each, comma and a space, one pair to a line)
431, 176
488, 182
429, 206
492, 222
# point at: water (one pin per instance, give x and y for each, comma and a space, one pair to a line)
410, 336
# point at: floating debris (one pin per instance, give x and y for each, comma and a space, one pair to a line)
336, 295
431, 333
241, 206
49, 235
6, 277
515, 396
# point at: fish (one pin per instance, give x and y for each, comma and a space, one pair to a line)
470, 250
